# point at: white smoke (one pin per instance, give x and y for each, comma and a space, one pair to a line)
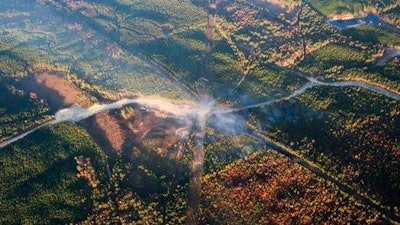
224, 121
76, 113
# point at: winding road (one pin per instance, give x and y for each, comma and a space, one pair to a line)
77, 113
315, 82
390, 53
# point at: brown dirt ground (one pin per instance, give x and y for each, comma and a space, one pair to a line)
59, 92
154, 132
112, 130
108, 130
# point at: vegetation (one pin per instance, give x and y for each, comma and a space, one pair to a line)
266, 188
19, 111
39, 181
341, 131
327, 7
280, 38
82, 49
117, 202
394, 15
374, 35
270, 82
140, 21
226, 151
181, 53
11, 64
386, 76
236, 52
333, 58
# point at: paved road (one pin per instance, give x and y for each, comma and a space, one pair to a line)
76, 113
390, 53
315, 82
21, 136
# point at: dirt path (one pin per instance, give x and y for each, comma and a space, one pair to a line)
199, 130
245, 65
195, 184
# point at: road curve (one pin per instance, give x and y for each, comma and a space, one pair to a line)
315, 82
390, 53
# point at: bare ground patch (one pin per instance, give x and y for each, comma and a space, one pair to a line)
106, 131
59, 92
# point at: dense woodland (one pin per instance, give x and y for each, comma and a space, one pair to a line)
357, 147
130, 166
39, 178
266, 188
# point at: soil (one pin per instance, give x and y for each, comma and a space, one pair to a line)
350, 16
60, 93
106, 131
155, 132
150, 130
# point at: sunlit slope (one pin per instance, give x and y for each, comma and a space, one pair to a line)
138, 21
327, 7
39, 33
175, 36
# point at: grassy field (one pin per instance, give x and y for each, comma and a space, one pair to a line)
333, 56
373, 35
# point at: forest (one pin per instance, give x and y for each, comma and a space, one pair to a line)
297, 119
